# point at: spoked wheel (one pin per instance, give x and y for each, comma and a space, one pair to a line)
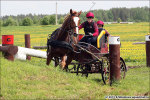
73, 68
105, 71
123, 68
82, 68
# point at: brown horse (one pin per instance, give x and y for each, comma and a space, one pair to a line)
62, 42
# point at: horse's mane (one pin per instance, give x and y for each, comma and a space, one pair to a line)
66, 17
64, 26
55, 34
66, 20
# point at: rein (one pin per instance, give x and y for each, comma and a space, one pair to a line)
88, 52
69, 30
71, 35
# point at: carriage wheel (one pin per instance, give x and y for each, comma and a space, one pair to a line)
72, 69
105, 71
82, 69
78, 69
123, 68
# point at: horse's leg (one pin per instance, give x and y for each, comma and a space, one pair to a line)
49, 58
49, 55
56, 61
69, 60
63, 61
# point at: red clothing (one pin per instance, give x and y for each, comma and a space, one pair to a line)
95, 28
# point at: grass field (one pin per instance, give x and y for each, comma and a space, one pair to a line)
129, 33
35, 80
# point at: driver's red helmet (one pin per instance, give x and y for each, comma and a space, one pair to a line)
90, 14
100, 22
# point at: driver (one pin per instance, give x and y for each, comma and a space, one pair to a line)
90, 29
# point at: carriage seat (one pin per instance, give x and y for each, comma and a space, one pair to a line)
102, 42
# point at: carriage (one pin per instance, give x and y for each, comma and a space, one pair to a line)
84, 58
98, 63
90, 59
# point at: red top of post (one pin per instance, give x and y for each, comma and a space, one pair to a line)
7, 39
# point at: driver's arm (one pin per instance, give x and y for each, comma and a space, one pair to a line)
96, 30
81, 26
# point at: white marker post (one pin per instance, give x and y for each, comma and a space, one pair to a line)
147, 38
114, 58
24, 52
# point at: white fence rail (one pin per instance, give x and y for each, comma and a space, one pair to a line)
23, 52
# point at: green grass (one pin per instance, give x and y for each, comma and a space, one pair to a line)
34, 80
127, 32
37, 33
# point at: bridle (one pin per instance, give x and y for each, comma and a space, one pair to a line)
71, 33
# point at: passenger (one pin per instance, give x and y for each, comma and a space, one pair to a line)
103, 35
100, 25
90, 29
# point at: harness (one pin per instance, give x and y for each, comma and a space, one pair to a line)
68, 45
63, 44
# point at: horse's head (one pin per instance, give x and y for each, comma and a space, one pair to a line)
74, 21
70, 28
73, 24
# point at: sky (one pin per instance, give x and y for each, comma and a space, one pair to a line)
63, 7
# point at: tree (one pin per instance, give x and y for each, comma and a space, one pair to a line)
110, 15
52, 20
119, 20
98, 14
20, 22
129, 20
95, 19
27, 21
138, 14
35, 20
115, 12
105, 17
45, 20
9, 22
124, 14
1, 22
82, 17
61, 20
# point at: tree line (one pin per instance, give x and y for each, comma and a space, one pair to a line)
139, 14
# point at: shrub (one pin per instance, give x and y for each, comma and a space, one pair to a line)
45, 20
118, 20
95, 19
10, 22
52, 20
1, 22
61, 20
27, 21
35, 20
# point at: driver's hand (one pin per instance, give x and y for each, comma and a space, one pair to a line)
90, 34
